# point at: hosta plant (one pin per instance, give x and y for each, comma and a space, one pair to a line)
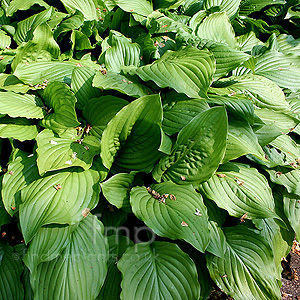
149, 149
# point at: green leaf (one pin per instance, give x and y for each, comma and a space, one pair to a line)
117, 188
129, 85
5, 218
111, 288
217, 243
217, 27
138, 126
20, 172
249, 6
119, 51
5, 40
288, 44
18, 128
11, 83
61, 198
80, 269
161, 266
141, 7
58, 96
198, 151
10, 272
81, 85
184, 218
16, 5
248, 41
242, 191
87, 8
80, 41
99, 111
17, 105
248, 258
56, 153
187, 70
229, 6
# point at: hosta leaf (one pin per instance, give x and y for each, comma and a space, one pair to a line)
81, 85
10, 272
291, 205
288, 44
241, 141
247, 270
79, 271
55, 153
249, 6
120, 51
5, 40
17, 128
283, 69
5, 218
163, 266
241, 190
111, 288
138, 126
248, 41
16, 5
116, 189
217, 27
11, 83
129, 85
99, 111
217, 243
261, 91
198, 151
60, 198
87, 8
141, 7
20, 172
187, 70
229, 6
17, 105
180, 113
184, 218
58, 96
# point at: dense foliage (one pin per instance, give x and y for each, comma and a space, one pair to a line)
148, 149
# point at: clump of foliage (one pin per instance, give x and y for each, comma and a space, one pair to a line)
122, 117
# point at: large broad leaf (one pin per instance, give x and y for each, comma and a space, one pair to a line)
87, 8
217, 27
165, 272
17, 105
111, 288
283, 69
261, 91
129, 85
242, 191
119, 51
247, 270
68, 150
20, 172
217, 243
288, 44
10, 272
291, 205
62, 198
16, 5
180, 215
187, 71
249, 6
58, 96
81, 85
229, 6
11, 83
80, 269
141, 7
132, 138
18, 128
5, 40
241, 141
99, 111
198, 151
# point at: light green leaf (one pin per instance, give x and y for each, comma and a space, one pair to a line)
81, 85
10, 272
59, 97
11, 83
241, 190
217, 27
18, 128
80, 269
249, 6
117, 188
60, 198
187, 70
67, 150
291, 205
129, 85
248, 41
20, 172
141, 7
5, 40
162, 265
137, 126
87, 8
181, 215
80, 41
16, 5
229, 6
247, 270
99, 111
198, 151
288, 44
